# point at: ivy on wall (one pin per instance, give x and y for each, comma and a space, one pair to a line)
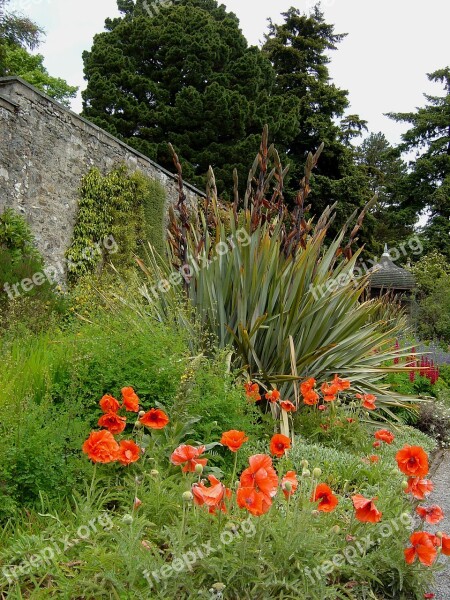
118, 213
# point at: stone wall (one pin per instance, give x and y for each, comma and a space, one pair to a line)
45, 150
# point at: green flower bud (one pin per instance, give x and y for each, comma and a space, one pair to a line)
288, 486
317, 473
404, 484
128, 519
335, 529
138, 425
306, 473
154, 473
187, 496
315, 513
199, 469
141, 413
304, 463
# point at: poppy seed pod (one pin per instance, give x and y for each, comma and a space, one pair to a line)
317, 473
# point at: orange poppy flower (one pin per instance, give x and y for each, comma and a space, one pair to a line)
260, 475
155, 419
101, 447
419, 488
431, 514
311, 398
374, 458
233, 439
288, 406
129, 452
112, 422
109, 404
366, 511
445, 544
213, 496
342, 384
189, 457
130, 399
327, 500
307, 386
384, 435
255, 502
368, 400
290, 478
279, 444
413, 461
329, 392
273, 395
423, 547
376, 444
252, 391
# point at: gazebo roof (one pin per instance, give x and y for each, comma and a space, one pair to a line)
386, 274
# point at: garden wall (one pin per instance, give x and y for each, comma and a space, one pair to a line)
45, 150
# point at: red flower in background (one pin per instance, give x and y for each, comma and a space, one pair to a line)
423, 547
252, 391
288, 406
445, 544
412, 461
431, 514
311, 398
272, 395
327, 500
366, 511
130, 399
101, 447
307, 386
233, 439
255, 502
279, 444
419, 488
155, 419
341, 384
384, 435
112, 422
368, 400
109, 404
329, 391
189, 457
129, 452
291, 479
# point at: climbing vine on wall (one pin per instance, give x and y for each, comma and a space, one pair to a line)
118, 213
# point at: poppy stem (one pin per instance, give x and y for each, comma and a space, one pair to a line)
234, 469
91, 489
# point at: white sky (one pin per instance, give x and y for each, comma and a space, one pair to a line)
383, 61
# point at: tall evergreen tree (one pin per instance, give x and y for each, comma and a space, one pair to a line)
298, 49
429, 179
185, 76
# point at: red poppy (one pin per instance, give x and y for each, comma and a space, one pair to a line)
342, 384
129, 452
366, 511
376, 444
213, 496
350, 420
368, 400
445, 544
428, 595
329, 392
130, 399
413, 461
288, 406
423, 547
252, 391
233, 439
189, 457
112, 422
327, 500
431, 514
311, 398
109, 404
255, 502
291, 479
374, 458
273, 395
323, 407
261, 475
307, 386
279, 444
384, 435
155, 419
101, 447
419, 488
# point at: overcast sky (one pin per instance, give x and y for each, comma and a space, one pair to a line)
391, 45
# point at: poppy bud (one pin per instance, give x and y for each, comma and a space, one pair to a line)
154, 473
404, 484
335, 529
138, 425
187, 496
137, 502
352, 404
230, 526
346, 484
199, 469
439, 534
338, 402
315, 513
306, 473
288, 486
141, 413
128, 519
317, 473
304, 463
219, 587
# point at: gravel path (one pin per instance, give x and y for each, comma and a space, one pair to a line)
440, 475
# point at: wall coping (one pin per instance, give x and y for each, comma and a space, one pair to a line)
4, 81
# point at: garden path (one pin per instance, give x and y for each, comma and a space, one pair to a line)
441, 497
